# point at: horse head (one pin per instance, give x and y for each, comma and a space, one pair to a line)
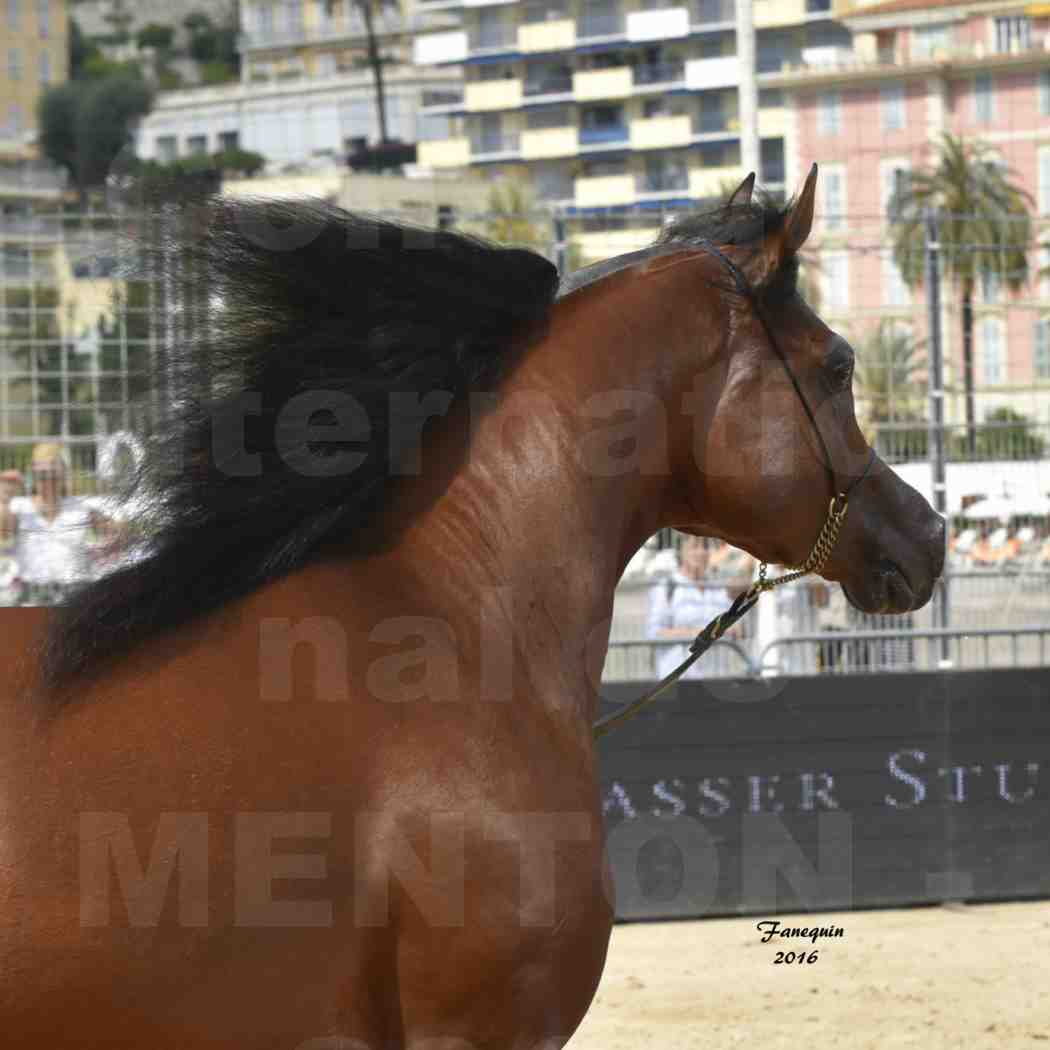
769, 436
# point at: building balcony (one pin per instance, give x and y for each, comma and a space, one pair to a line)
505, 40
596, 26
602, 190
707, 182
487, 95
602, 83
770, 13
661, 132
431, 49
547, 36
662, 75
444, 153
704, 73
662, 182
504, 146
549, 85
665, 24
540, 143
607, 135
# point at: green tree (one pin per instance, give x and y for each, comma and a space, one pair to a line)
1008, 436
984, 224
890, 380
81, 51
513, 217
155, 35
84, 126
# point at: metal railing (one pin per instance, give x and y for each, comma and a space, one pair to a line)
856, 652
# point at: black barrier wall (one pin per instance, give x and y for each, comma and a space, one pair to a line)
805, 794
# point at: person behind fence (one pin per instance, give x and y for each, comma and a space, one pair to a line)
51, 528
685, 602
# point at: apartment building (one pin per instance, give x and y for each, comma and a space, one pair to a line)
870, 112
616, 110
307, 94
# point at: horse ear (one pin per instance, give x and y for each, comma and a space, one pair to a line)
786, 242
800, 222
742, 194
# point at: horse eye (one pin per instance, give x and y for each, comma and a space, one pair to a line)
842, 374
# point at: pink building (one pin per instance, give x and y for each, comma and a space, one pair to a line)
868, 113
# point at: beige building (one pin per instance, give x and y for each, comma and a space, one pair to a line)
34, 49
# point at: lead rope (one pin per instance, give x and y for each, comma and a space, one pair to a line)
746, 600
743, 604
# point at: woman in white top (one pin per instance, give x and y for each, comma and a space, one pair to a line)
680, 606
51, 529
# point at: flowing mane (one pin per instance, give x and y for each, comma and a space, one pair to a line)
313, 299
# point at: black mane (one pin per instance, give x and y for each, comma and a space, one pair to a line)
314, 301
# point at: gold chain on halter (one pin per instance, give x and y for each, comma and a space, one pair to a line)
818, 556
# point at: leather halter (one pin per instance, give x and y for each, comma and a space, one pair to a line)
814, 563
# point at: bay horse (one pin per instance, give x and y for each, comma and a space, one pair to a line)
317, 771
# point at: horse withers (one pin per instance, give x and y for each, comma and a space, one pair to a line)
317, 772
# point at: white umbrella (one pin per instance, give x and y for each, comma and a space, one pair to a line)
1003, 508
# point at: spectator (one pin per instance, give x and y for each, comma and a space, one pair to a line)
683, 604
50, 528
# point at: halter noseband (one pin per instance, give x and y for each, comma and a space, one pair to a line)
817, 557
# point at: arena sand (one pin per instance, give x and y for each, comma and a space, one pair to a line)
935, 978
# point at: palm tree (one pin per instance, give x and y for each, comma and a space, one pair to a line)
984, 226
369, 8
890, 380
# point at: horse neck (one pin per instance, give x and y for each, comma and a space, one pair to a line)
541, 515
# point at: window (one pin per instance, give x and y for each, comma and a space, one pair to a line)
927, 41
43, 17
1013, 33
1044, 93
894, 291
12, 13
14, 64
893, 107
197, 145
14, 120
1041, 349
993, 366
834, 187
989, 285
293, 16
1043, 258
983, 98
45, 68
265, 20
895, 181
229, 140
829, 117
836, 280
167, 148
1043, 189
326, 64
547, 117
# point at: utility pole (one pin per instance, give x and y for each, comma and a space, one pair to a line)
750, 154
935, 360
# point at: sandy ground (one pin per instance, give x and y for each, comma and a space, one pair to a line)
973, 976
